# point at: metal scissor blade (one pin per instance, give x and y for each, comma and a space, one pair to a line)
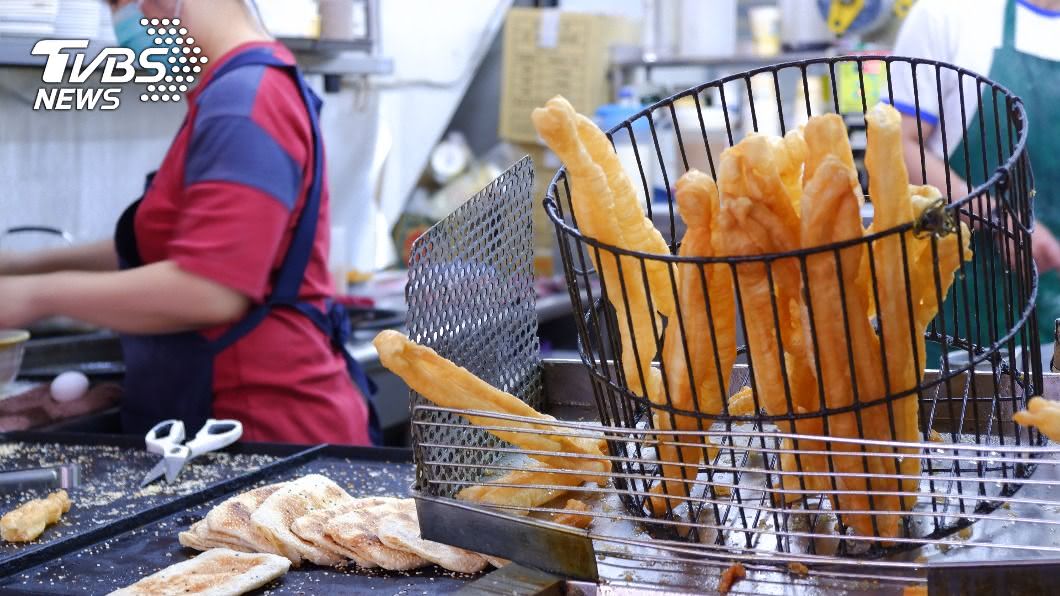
173, 467
156, 472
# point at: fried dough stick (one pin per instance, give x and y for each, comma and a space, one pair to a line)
638, 232
576, 520
827, 138
595, 209
890, 192
826, 135
452, 386
831, 214
694, 380
792, 152
921, 197
756, 217
525, 495
1041, 414
951, 250
27, 522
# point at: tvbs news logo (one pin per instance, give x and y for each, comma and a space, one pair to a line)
166, 70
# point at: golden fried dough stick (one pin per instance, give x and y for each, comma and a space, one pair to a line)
28, 521
1042, 414
666, 450
730, 576
676, 475
951, 250
576, 520
947, 256
922, 197
889, 189
524, 495
689, 346
452, 386
742, 403
791, 153
746, 228
826, 135
594, 207
749, 169
831, 214
638, 231
758, 219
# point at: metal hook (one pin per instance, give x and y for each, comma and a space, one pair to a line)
935, 220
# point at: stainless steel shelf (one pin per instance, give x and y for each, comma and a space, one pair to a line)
629, 57
315, 56
326, 46
345, 63
15, 51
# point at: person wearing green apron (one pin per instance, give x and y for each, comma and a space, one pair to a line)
1025, 59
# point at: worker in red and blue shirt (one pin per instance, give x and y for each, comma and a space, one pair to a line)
217, 277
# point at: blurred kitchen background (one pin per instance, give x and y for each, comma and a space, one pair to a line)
425, 102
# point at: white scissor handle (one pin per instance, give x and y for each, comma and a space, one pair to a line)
164, 435
214, 435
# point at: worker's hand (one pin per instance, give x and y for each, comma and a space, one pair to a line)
1045, 248
10, 263
18, 306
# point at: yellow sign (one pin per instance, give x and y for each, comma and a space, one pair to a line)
842, 14
849, 85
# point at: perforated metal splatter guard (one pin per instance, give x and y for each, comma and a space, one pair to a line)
471, 299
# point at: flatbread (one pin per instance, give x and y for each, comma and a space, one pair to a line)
273, 519
358, 531
400, 530
217, 572
311, 528
230, 521
199, 537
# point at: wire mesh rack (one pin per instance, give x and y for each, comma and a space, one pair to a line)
836, 487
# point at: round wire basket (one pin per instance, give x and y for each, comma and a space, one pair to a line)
975, 363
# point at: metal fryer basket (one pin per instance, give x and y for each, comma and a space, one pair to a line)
968, 502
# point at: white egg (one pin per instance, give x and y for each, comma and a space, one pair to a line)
69, 386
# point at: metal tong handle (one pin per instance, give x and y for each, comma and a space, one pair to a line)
164, 435
62, 476
40, 476
214, 435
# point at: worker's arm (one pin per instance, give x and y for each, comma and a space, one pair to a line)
1044, 246
97, 256
934, 167
156, 298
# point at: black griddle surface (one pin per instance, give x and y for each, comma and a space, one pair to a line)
124, 559
110, 480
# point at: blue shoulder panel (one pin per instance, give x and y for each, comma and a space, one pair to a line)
235, 149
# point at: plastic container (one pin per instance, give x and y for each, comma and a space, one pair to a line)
610, 115
765, 29
692, 133
708, 29
12, 348
802, 28
337, 20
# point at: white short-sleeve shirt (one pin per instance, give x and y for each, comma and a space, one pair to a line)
964, 33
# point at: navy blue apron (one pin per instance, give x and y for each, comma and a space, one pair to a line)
171, 375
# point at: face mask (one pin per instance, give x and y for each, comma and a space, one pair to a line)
128, 30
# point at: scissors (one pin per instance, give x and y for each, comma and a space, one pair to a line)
166, 438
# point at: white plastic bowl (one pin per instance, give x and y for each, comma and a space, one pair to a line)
12, 347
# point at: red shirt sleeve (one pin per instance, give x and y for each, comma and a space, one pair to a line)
240, 188
231, 235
